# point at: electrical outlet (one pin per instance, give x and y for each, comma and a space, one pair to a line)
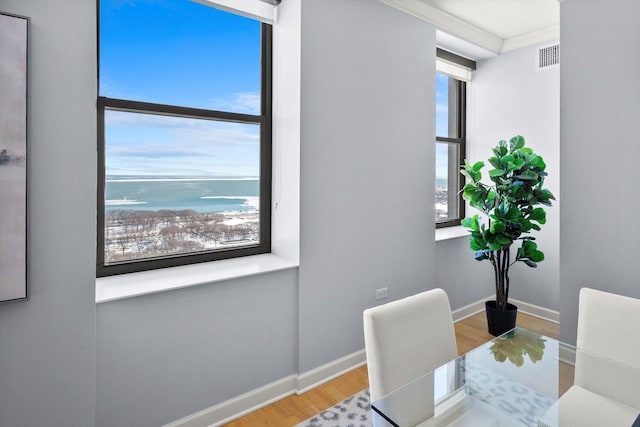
381, 293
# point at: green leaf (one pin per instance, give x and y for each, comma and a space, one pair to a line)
539, 215
501, 149
495, 162
519, 163
469, 191
496, 172
503, 240
536, 256
475, 193
494, 246
497, 227
477, 244
528, 246
543, 195
472, 171
527, 175
513, 212
516, 143
468, 222
477, 166
508, 159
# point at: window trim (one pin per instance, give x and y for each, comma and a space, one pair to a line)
461, 127
264, 119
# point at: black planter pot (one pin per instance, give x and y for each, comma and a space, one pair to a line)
498, 321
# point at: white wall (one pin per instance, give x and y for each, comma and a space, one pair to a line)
367, 178
600, 107
285, 215
47, 344
507, 97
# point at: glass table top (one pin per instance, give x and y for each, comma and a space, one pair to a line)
510, 381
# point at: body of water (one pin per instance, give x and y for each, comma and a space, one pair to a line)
200, 194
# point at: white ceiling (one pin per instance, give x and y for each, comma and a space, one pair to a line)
480, 29
504, 18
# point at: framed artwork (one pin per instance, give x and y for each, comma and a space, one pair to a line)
13, 157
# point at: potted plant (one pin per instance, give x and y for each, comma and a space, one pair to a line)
510, 211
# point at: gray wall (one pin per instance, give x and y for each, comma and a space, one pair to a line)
47, 344
463, 278
367, 176
600, 107
367, 222
165, 356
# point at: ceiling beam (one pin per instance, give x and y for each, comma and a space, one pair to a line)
538, 36
449, 23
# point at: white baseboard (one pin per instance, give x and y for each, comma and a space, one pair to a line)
469, 310
241, 405
523, 307
246, 403
567, 353
537, 311
255, 399
331, 370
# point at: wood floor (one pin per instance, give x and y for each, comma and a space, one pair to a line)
470, 333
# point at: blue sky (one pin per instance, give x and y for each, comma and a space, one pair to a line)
442, 117
181, 53
185, 53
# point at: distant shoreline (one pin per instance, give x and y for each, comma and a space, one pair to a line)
167, 179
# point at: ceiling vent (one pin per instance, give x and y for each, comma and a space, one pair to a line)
548, 56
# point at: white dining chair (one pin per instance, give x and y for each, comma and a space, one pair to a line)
607, 368
407, 338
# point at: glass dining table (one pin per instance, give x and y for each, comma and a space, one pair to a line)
510, 381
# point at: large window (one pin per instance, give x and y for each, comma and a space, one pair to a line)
450, 145
184, 135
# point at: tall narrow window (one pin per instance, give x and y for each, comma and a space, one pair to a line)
450, 144
184, 135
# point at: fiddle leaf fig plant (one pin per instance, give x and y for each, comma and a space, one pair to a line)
510, 207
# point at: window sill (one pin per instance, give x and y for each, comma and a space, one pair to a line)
451, 233
123, 286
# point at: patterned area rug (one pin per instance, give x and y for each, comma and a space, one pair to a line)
352, 412
495, 390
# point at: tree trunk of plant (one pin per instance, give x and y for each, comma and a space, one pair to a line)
500, 263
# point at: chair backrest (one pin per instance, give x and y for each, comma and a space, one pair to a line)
608, 346
407, 338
